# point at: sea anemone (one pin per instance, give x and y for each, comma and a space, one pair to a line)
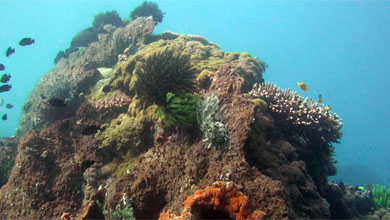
161, 73
148, 9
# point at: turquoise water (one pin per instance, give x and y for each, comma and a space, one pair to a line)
339, 49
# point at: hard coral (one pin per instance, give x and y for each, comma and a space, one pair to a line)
163, 72
148, 9
112, 103
221, 200
297, 111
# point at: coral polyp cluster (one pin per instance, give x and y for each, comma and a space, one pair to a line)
292, 108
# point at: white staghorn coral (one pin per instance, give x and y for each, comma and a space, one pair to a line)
293, 108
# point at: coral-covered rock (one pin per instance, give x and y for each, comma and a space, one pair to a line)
77, 73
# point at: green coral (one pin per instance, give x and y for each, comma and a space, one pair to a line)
210, 117
381, 196
179, 109
161, 73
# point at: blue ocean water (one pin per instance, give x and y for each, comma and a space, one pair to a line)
338, 48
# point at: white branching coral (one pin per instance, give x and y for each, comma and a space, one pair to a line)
210, 117
292, 108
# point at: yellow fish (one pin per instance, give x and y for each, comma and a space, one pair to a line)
303, 86
320, 99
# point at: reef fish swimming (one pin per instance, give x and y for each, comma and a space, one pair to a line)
4, 117
2, 67
26, 41
5, 88
320, 100
10, 51
9, 106
303, 86
5, 78
60, 103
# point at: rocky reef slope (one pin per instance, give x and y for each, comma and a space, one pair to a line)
255, 152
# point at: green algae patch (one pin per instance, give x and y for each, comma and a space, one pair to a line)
205, 58
123, 132
260, 103
121, 166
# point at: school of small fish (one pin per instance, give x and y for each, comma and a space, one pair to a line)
5, 78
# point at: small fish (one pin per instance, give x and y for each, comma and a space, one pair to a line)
2, 67
133, 50
106, 89
5, 88
5, 117
368, 185
60, 103
90, 129
9, 106
5, 78
10, 51
26, 41
320, 99
303, 86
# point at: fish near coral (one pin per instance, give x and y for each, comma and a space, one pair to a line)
320, 100
9, 106
303, 86
2, 67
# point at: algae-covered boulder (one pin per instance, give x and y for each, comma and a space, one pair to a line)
205, 58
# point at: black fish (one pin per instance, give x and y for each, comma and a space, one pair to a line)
90, 129
5, 88
60, 103
4, 117
9, 106
106, 89
5, 78
2, 67
26, 41
10, 51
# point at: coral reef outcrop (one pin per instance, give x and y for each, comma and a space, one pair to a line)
253, 152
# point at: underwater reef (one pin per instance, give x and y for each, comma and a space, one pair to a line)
136, 125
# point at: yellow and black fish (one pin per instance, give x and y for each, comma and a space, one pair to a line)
303, 86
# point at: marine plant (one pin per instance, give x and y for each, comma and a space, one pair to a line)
210, 116
123, 210
109, 17
148, 9
381, 196
161, 73
179, 109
